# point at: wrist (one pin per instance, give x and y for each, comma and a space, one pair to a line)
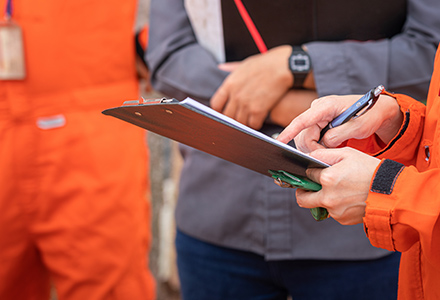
283, 71
392, 121
309, 82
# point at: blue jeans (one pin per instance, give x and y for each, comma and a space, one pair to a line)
209, 272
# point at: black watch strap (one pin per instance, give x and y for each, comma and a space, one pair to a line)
299, 79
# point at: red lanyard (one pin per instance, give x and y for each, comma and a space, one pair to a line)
251, 26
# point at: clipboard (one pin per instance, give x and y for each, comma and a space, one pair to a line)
194, 124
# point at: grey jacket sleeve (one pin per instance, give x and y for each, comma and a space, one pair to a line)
403, 63
180, 66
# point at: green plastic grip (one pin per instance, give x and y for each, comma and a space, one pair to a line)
292, 181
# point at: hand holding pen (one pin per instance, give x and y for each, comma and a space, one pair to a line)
348, 168
356, 110
313, 126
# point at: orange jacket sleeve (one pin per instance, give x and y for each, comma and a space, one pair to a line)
405, 212
404, 145
403, 205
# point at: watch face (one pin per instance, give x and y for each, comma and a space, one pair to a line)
300, 62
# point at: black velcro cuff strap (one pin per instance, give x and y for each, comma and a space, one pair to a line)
386, 176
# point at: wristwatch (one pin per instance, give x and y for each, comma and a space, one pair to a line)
300, 65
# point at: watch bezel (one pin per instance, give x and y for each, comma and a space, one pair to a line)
297, 56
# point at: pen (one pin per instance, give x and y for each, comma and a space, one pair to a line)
362, 105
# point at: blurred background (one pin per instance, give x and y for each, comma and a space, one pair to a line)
165, 163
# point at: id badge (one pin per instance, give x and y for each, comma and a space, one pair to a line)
12, 66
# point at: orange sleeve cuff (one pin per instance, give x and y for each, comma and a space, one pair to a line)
377, 226
377, 220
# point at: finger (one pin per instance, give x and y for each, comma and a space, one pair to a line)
337, 135
229, 66
314, 174
255, 121
357, 128
294, 128
305, 142
308, 199
241, 114
319, 116
353, 129
219, 99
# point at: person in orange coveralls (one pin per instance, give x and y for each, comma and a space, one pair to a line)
74, 184
398, 200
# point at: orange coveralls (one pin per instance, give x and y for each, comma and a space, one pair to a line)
74, 185
403, 205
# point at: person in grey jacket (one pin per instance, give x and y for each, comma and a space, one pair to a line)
239, 235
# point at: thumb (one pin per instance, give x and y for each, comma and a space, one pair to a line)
337, 135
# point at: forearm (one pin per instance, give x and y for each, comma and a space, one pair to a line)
291, 105
351, 67
404, 208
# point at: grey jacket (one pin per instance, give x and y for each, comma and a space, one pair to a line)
233, 207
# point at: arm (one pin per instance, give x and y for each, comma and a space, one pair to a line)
256, 84
294, 102
346, 67
178, 64
398, 205
174, 54
349, 67
288, 104
405, 210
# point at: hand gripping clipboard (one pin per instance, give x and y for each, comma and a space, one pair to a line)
200, 127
